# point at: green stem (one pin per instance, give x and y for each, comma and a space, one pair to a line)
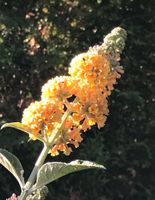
34, 172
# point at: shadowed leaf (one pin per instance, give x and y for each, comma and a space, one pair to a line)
13, 165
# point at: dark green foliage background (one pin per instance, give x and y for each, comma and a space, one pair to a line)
126, 145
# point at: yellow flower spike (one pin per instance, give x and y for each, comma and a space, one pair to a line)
72, 104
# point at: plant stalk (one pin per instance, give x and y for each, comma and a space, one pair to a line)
34, 172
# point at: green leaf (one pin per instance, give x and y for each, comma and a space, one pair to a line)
54, 170
17, 125
13, 165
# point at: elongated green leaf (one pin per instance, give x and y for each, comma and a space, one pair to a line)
17, 125
54, 170
13, 165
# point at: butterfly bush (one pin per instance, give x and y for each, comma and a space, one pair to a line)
83, 95
68, 107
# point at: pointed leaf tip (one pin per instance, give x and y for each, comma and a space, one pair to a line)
87, 163
16, 125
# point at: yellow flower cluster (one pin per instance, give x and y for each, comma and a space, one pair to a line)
58, 88
90, 67
42, 117
83, 94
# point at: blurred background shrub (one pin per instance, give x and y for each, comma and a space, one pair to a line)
37, 41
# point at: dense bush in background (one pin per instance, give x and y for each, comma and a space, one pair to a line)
37, 41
